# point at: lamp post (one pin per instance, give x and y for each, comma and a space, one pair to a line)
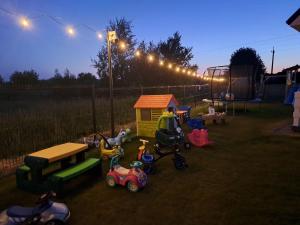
111, 38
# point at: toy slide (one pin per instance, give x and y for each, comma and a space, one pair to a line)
290, 97
199, 138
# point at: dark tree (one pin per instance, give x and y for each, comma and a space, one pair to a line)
1, 80
248, 56
24, 78
120, 58
86, 78
173, 50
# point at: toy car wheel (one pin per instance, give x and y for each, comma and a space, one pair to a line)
187, 146
110, 180
132, 186
55, 222
179, 165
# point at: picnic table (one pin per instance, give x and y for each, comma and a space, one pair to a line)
36, 162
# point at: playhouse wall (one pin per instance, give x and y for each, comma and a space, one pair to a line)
147, 128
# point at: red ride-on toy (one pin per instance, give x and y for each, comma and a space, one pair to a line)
134, 178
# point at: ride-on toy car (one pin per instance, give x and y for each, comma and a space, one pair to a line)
169, 132
45, 212
134, 178
149, 159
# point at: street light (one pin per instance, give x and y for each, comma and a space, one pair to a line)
111, 38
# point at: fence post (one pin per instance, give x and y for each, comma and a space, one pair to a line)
184, 94
142, 90
94, 109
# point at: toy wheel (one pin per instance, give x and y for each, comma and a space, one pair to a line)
110, 180
55, 222
132, 186
187, 145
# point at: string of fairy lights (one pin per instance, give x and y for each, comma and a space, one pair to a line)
26, 23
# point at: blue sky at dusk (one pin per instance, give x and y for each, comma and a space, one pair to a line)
213, 28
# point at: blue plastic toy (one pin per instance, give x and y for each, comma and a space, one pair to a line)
196, 123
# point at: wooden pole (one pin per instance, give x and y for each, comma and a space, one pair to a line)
94, 109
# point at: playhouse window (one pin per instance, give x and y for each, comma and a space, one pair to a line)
145, 114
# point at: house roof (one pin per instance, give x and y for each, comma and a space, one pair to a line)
294, 20
155, 101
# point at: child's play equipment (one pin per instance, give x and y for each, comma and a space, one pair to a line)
52, 168
148, 109
108, 150
149, 158
122, 136
169, 132
196, 123
296, 114
212, 115
134, 178
45, 212
199, 138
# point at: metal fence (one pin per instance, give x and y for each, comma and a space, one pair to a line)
34, 118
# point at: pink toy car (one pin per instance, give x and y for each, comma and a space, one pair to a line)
134, 178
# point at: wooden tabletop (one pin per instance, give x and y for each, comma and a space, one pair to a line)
59, 152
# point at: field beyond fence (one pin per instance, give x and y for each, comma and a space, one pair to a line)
35, 118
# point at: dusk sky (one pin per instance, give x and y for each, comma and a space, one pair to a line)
213, 28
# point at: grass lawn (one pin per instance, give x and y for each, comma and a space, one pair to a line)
250, 176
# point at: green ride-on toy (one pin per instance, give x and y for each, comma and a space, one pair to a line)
169, 133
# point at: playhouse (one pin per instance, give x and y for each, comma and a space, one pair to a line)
148, 109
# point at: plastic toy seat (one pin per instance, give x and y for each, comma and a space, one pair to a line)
148, 158
121, 170
195, 124
19, 211
199, 138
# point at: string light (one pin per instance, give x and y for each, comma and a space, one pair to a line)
150, 58
122, 45
70, 31
137, 53
25, 23
99, 35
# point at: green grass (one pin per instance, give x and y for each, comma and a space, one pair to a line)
249, 176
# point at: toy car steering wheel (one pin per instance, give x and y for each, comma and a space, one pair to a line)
136, 164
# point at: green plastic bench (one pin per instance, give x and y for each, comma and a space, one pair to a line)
22, 176
58, 179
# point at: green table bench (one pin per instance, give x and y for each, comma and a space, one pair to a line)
58, 180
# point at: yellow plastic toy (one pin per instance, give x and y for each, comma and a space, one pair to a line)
108, 151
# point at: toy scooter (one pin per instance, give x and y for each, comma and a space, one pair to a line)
45, 212
134, 178
149, 159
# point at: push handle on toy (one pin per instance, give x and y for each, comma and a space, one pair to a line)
136, 164
144, 141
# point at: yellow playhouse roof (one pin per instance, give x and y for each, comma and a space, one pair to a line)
155, 101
